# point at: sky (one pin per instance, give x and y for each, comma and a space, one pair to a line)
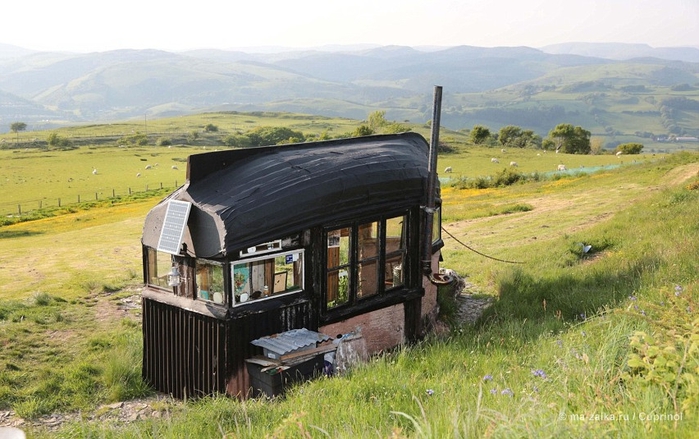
97, 26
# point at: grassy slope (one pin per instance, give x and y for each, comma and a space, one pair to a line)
643, 229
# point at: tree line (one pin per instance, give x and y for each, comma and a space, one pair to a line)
564, 138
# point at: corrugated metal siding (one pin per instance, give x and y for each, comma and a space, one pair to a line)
187, 354
184, 353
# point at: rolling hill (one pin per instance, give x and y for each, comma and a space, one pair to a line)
576, 83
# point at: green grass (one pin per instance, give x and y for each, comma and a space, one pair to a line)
597, 344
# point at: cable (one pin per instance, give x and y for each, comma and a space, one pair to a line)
477, 252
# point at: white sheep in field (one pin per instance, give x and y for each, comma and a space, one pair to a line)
502, 150
618, 154
561, 167
174, 167
447, 170
138, 174
148, 166
514, 164
94, 171
494, 160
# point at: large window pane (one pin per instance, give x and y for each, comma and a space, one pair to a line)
267, 276
159, 265
338, 280
395, 251
210, 281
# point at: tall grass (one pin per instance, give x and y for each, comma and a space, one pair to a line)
596, 344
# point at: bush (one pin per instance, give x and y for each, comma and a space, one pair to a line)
164, 141
630, 148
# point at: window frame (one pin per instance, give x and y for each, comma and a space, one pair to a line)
267, 256
384, 294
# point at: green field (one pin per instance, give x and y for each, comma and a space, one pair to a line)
597, 344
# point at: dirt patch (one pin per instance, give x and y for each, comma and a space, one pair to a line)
680, 174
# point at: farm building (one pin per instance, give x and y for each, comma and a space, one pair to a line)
260, 244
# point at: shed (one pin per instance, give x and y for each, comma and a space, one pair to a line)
325, 236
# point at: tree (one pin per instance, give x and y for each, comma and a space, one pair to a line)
376, 120
515, 137
362, 130
570, 140
16, 127
630, 148
479, 134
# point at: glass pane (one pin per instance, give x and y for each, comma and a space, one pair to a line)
437, 225
368, 237
288, 272
338, 247
394, 270
338, 288
395, 234
210, 281
159, 265
368, 278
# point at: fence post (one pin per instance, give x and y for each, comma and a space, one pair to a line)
113, 195
78, 198
96, 196
59, 202
19, 209
129, 191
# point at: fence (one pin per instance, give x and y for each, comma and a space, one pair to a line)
19, 208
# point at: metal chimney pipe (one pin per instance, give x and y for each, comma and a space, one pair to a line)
431, 181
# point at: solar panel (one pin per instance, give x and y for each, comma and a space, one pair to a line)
173, 227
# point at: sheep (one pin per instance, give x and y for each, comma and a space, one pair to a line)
94, 171
447, 170
174, 167
502, 150
494, 160
514, 164
618, 154
138, 174
148, 166
561, 167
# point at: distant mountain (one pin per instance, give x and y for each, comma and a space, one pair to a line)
621, 51
8, 51
577, 83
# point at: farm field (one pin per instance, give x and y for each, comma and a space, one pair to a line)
559, 354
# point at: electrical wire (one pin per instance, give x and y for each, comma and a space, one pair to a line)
479, 253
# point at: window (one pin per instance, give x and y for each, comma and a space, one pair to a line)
365, 260
209, 280
437, 225
159, 266
267, 276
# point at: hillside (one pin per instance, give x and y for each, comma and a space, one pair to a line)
564, 351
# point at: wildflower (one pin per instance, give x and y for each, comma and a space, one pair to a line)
582, 316
488, 378
632, 298
559, 343
678, 290
643, 312
539, 373
507, 392
429, 392
493, 391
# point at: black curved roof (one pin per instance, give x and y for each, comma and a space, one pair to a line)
248, 196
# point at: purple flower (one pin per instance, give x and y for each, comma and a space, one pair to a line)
678, 290
633, 298
493, 391
430, 392
539, 373
488, 378
507, 392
